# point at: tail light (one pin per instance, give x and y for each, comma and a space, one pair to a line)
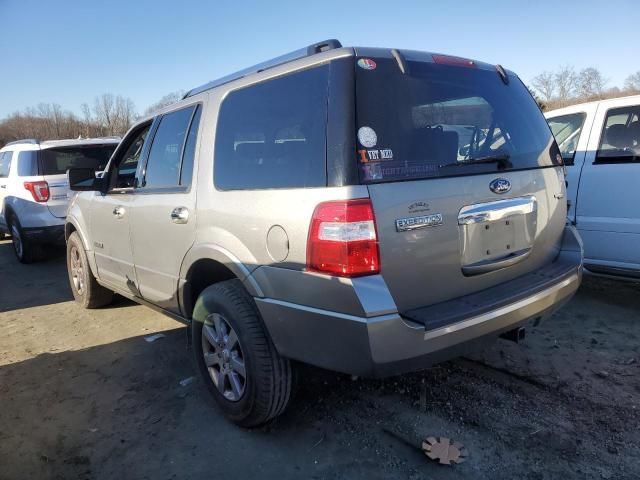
342, 239
39, 190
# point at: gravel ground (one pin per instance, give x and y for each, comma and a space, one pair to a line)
83, 395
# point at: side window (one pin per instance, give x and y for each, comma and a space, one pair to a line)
273, 134
128, 164
620, 137
5, 163
186, 172
163, 165
567, 130
28, 163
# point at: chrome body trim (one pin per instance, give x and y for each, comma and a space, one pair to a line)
498, 210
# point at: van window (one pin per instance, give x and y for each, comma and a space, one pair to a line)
57, 160
5, 163
273, 134
163, 165
439, 120
620, 138
567, 129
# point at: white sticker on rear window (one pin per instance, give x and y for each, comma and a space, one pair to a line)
367, 137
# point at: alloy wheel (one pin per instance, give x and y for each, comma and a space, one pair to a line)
223, 357
77, 271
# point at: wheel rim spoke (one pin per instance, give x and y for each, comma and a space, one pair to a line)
210, 335
220, 327
237, 365
232, 340
211, 359
236, 385
220, 376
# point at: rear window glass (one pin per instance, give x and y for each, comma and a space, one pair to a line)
273, 134
56, 161
620, 139
566, 129
442, 120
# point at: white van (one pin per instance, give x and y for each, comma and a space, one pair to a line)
600, 145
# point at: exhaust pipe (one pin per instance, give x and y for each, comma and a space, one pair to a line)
516, 335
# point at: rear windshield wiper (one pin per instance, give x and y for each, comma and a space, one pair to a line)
501, 160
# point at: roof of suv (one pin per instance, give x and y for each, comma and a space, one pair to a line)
34, 144
316, 53
631, 99
336, 47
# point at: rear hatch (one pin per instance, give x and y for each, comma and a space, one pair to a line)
464, 175
55, 161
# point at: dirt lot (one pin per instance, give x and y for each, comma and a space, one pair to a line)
83, 395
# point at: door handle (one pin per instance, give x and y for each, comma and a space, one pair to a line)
119, 212
3, 186
180, 215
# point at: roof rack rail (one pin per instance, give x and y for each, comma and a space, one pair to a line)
274, 62
33, 141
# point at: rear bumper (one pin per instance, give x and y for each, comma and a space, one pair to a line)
32, 214
52, 234
391, 344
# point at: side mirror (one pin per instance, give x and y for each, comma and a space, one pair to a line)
84, 180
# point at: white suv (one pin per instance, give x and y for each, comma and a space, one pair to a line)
34, 188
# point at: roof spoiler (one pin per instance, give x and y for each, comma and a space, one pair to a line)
32, 141
274, 62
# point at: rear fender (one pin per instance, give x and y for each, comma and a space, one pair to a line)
219, 254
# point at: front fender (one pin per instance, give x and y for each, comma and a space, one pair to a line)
77, 219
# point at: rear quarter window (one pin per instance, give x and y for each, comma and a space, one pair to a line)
273, 134
28, 163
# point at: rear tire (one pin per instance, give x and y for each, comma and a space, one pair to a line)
26, 250
86, 290
248, 379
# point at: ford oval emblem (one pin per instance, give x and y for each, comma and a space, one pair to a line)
500, 185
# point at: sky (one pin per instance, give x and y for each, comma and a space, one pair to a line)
70, 51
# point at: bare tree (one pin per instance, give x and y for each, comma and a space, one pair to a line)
566, 82
591, 83
545, 85
124, 115
114, 113
632, 83
103, 111
110, 115
168, 99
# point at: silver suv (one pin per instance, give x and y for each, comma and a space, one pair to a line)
34, 188
369, 211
